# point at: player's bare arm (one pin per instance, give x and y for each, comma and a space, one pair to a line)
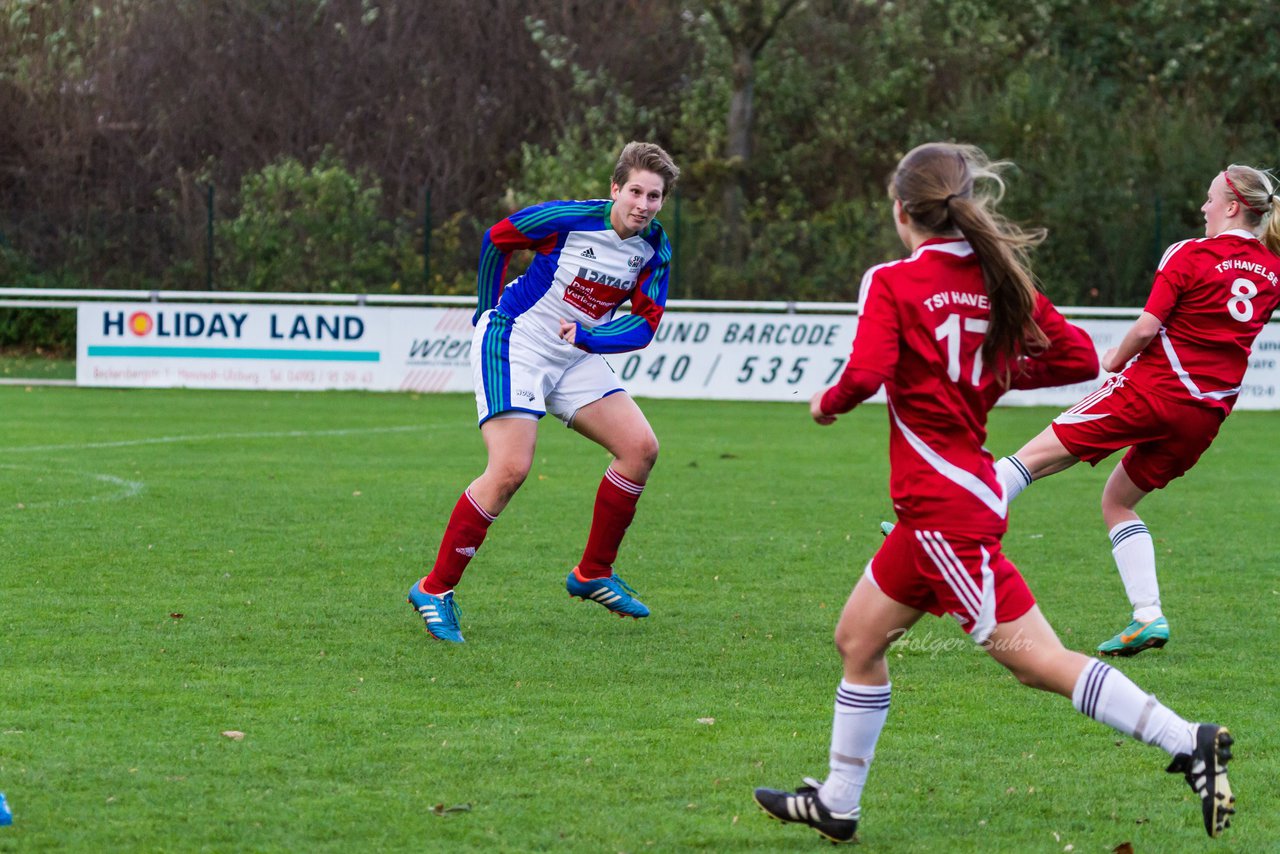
1144, 329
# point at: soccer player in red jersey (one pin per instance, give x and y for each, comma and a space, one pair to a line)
538, 348
946, 331
1210, 299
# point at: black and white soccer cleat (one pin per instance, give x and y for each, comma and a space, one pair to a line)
803, 807
1205, 770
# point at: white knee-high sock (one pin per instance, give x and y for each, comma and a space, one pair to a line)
860, 714
1014, 475
1109, 697
1135, 555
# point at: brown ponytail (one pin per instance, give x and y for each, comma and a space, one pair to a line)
935, 184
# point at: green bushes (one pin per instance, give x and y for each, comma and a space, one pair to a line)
1116, 115
313, 230
40, 330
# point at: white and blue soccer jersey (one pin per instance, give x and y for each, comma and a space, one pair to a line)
582, 271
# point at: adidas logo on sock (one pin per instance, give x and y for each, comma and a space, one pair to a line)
469, 551
588, 253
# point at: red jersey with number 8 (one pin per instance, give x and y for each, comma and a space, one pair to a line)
921, 326
1213, 296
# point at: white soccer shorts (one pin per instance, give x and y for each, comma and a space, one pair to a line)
516, 370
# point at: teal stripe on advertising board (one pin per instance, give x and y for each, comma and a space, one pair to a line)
236, 353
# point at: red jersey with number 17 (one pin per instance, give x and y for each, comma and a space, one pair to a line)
921, 326
1213, 296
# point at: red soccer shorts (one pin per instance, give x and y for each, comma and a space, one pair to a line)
1165, 438
945, 573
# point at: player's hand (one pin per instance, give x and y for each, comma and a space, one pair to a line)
569, 331
815, 409
1108, 361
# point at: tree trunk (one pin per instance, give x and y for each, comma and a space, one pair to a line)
741, 105
747, 26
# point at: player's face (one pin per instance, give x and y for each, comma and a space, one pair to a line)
1217, 207
636, 201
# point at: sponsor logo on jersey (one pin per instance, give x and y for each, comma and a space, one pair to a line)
596, 298
587, 274
588, 253
525, 393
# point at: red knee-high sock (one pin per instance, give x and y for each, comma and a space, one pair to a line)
615, 508
467, 526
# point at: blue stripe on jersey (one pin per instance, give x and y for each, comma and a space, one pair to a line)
656, 287
489, 277
556, 218
495, 351
622, 326
664, 247
530, 220
617, 336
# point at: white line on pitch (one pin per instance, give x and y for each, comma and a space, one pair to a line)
169, 440
127, 489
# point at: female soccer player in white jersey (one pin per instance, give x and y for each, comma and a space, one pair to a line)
1210, 299
537, 349
947, 331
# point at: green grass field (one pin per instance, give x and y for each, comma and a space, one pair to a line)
177, 564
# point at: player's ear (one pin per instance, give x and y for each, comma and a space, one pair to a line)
899, 213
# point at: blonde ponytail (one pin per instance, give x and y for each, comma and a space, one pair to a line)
1270, 235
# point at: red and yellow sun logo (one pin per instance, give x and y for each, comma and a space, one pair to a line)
140, 323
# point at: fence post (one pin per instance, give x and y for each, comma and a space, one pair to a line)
208, 239
426, 239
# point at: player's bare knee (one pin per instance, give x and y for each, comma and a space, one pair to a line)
1030, 678
640, 456
648, 452
855, 652
506, 479
1042, 674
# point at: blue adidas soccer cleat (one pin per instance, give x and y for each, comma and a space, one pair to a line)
440, 613
612, 592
